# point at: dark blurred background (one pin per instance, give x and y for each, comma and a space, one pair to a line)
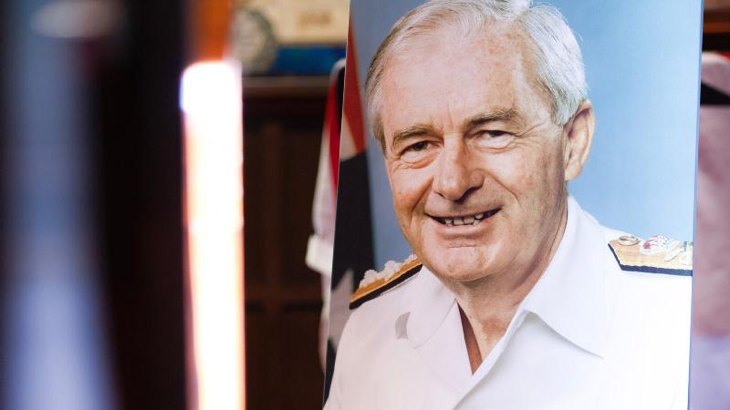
92, 232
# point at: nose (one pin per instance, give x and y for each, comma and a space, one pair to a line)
456, 175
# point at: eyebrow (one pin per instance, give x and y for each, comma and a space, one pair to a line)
412, 131
472, 122
506, 115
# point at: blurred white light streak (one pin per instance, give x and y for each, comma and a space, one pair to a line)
211, 103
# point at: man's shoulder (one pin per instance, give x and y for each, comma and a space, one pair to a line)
650, 280
375, 284
372, 343
628, 255
657, 255
378, 304
379, 315
649, 288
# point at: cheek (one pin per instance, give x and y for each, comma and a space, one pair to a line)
516, 173
408, 187
528, 174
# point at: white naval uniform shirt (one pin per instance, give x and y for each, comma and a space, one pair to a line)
587, 336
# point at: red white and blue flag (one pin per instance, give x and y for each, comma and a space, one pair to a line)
341, 248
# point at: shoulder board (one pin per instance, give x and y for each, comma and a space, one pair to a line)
658, 254
375, 283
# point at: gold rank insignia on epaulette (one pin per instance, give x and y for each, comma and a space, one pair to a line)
375, 283
658, 254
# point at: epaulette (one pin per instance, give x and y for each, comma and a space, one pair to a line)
658, 254
375, 283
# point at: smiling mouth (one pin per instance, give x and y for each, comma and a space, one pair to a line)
466, 219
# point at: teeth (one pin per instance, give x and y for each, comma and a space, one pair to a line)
467, 220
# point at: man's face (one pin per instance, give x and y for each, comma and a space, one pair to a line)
475, 162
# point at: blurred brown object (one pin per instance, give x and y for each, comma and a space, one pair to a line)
716, 27
717, 4
209, 29
717, 21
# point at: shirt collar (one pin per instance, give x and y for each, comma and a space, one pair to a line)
570, 297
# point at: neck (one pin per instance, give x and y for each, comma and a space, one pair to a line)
488, 305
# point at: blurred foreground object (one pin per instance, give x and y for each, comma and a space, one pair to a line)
77, 19
55, 355
211, 102
710, 384
717, 5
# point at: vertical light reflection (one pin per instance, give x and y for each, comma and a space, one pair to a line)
211, 103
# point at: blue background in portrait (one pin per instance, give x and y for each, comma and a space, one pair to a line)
642, 69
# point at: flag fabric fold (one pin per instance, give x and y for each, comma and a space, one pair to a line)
341, 248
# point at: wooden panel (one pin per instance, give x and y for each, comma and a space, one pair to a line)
298, 210
304, 377
256, 362
283, 127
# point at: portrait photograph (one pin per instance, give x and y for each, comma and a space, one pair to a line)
515, 230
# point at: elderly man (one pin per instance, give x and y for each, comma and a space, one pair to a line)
516, 298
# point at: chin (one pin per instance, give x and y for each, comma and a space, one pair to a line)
460, 264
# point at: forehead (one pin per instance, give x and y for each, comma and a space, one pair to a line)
443, 77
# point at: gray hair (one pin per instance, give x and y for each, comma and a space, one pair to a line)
558, 64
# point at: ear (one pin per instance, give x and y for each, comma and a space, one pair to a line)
578, 134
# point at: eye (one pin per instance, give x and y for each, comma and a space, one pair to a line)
419, 146
494, 139
417, 151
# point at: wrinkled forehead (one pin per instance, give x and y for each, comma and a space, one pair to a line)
506, 39
445, 69
499, 43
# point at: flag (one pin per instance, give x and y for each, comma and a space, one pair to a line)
342, 247
321, 242
353, 251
